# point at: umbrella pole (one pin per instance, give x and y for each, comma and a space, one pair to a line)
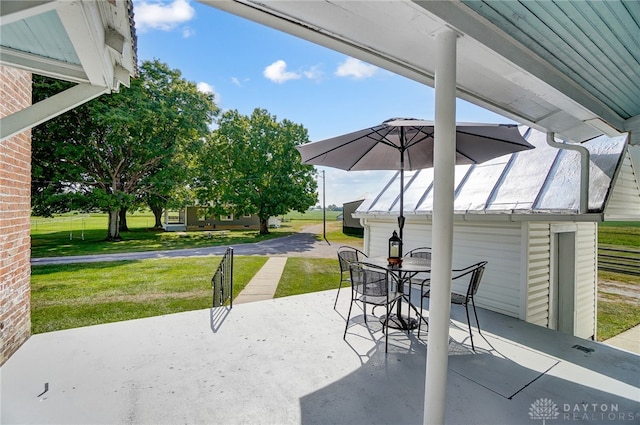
401, 216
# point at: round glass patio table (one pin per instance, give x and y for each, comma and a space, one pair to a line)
404, 272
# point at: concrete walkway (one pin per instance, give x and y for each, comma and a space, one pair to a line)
263, 285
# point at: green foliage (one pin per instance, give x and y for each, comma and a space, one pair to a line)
119, 149
250, 165
69, 296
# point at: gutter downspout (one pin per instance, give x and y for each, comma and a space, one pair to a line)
584, 168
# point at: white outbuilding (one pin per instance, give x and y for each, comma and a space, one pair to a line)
523, 214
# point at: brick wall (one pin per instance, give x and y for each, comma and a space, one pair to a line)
15, 211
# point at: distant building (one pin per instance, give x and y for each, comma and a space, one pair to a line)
199, 218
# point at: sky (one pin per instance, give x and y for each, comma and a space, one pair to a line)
247, 65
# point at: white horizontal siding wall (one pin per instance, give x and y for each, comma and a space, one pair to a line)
624, 202
538, 273
499, 244
586, 280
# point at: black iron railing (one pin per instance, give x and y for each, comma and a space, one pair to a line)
222, 281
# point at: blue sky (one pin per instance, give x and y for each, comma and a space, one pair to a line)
247, 66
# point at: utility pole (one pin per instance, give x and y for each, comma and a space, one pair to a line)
324, 209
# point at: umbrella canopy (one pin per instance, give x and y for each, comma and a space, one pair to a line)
399, 144
407, 144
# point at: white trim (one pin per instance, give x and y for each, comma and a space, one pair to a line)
13, 11
48, 108
524, 271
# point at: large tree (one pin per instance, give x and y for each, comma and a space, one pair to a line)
250, 165
122, 148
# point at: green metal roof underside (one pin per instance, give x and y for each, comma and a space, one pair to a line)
595, 42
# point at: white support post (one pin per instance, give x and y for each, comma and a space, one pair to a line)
444, 154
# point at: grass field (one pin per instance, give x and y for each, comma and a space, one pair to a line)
624, 233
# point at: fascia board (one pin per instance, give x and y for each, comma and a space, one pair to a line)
85, 27
17, 10
42, 65
48, 108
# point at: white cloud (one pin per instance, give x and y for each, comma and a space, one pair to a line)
356, 68
240, 83
205, 87
277, 72
161, 15
188, 32
314, 73
208, 88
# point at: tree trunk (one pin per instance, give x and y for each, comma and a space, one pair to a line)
114, 227
114, 215
123, 220
264, 228
157, 213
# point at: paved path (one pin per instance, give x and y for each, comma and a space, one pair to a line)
264, 284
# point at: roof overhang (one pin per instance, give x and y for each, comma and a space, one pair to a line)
495, 69
88, 42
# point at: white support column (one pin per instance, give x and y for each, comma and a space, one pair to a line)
442, 233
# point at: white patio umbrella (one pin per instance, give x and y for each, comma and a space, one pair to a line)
407, 144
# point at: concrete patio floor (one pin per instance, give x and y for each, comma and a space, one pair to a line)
283, 361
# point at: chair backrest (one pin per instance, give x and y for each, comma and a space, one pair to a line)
422, 252
367, 279
348, 255
477, 270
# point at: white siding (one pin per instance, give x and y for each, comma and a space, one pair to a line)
538, 274
511, 249
586, 280
499, 244
624, 202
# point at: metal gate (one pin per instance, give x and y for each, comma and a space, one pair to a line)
222, 281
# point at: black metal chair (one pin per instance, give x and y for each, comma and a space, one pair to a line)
424, 253
372, 285
346, 256
475, 273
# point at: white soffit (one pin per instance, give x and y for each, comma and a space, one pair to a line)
399, 36
91, 43
79, 41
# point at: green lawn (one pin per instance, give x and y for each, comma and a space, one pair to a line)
624, 233
615, 315
69, 296
305, 275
